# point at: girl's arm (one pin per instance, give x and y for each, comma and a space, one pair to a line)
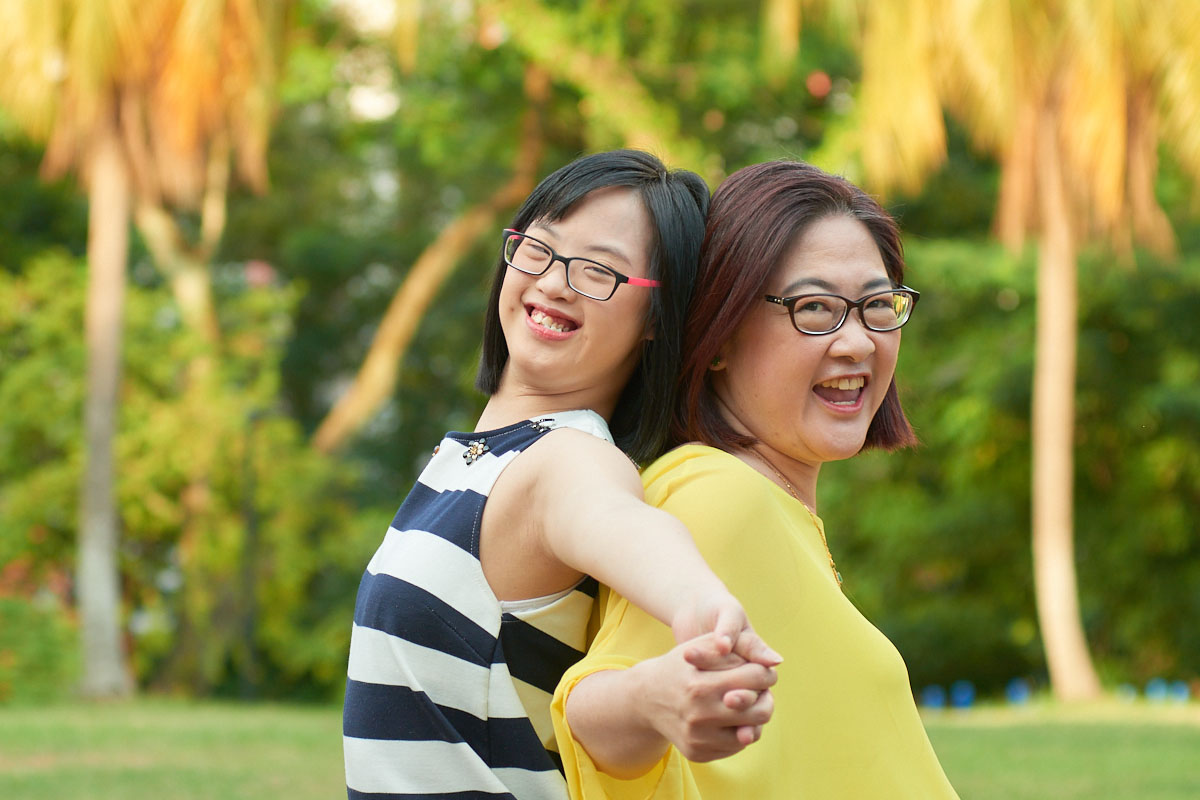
589, 500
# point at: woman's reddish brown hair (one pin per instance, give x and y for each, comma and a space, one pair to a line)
754, 217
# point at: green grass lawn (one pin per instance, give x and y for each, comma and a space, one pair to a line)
184, 751
1108, 751
171, 751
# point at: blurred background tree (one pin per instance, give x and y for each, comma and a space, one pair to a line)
1074, 99
147, 102
264, 443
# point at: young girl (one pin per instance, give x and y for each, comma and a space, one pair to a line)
479, 597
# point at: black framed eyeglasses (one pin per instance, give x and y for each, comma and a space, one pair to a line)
589, 278
818, 314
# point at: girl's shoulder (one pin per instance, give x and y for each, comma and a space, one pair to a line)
582, 419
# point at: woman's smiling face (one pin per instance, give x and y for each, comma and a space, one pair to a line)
811, 398
569, 346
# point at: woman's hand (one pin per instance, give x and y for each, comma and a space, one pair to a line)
626, 718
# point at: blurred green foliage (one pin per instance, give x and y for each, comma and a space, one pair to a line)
263, 589
38, 650
934, 542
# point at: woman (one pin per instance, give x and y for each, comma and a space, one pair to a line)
478, 598
791, 344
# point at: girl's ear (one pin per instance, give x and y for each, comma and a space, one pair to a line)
648, 331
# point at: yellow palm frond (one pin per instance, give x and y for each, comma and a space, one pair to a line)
174, 74
976, 63
904, 135
1174, 32
780, 24
407, 33
32, 52
1093, 85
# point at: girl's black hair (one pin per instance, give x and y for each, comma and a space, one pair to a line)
677, 202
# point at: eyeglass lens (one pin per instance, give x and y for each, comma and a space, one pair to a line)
822, 313
586, 277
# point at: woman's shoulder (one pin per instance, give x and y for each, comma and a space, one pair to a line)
700, 466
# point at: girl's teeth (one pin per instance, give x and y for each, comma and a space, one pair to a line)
546, 322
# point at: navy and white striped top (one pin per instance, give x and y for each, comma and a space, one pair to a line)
448, 689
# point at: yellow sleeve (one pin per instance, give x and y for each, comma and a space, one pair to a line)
626, 636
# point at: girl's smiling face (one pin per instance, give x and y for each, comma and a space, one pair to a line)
575, 349
810, 399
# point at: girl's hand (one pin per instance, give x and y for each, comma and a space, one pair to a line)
722, 615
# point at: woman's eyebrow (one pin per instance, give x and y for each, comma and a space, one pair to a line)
879, 284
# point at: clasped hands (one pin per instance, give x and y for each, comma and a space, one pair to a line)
712, 696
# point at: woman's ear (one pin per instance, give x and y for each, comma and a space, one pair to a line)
717, 364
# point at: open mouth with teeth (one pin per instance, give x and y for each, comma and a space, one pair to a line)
549, 322
841, 391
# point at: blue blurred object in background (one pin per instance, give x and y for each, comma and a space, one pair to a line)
933, 697
1017, 691
1178, 691
1156, 690
962, 694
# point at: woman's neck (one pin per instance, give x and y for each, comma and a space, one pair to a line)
797, 478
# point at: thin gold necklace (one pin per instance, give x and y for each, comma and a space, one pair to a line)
816, 523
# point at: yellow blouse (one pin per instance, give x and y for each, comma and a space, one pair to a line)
845, 724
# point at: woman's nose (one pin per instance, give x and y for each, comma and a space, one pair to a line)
854, 340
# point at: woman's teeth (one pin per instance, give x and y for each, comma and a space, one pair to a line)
546, 321
845, 383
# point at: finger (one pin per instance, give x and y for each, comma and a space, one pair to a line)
750, 646
748, 734
739, 699
755, 677
757, 713
731, 621
761, 712
706, 653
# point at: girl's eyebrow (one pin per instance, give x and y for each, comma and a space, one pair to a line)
601, 247
879, 284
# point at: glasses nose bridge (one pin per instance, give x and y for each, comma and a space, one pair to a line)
566, 262
859, 306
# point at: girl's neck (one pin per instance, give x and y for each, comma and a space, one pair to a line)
512, 404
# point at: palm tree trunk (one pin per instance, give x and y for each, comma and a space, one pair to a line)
1072, 675
105, 673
